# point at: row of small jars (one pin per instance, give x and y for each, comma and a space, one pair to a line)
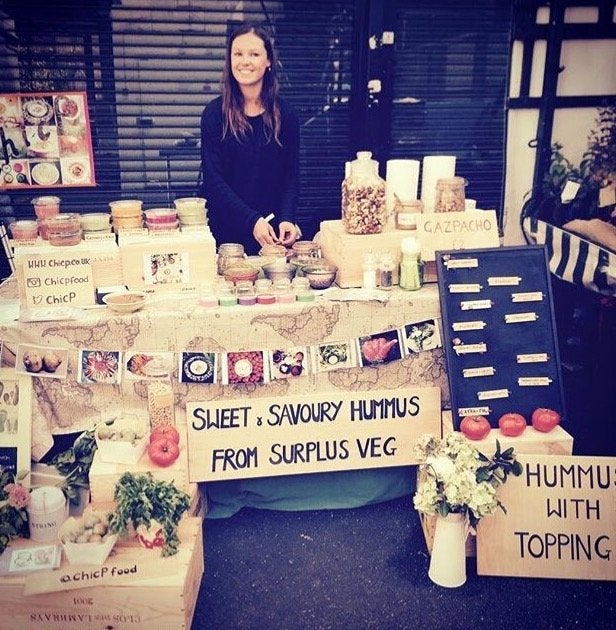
302, 252
261, 291
129, 214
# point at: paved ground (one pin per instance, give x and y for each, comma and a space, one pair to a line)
367, 568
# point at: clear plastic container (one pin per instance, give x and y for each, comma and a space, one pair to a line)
24, 230
64, 229
95, 222
46, 206
450, 194
363, 197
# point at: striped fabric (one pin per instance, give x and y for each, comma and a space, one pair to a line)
573, 258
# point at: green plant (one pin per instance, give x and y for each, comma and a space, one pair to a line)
457, 478
14, 498
74, 464
142, 499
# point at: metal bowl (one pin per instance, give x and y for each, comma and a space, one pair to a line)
277, 270
320, 275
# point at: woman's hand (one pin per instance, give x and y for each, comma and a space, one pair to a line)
289, 233
264, 233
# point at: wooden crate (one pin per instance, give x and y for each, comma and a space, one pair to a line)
103, 475
346, 251
157, 593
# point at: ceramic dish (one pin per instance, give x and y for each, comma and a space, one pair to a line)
127, 302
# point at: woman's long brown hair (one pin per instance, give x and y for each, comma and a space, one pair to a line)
234, 118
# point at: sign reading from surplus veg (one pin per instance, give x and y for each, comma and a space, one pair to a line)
560, 521
265, 437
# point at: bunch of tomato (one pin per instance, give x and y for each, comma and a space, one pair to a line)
510, 424
164, 446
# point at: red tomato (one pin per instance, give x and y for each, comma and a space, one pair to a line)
475, 427
544, 419
163, 451
512, 424
165, 430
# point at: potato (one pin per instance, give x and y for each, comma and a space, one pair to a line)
32, 360
51, 361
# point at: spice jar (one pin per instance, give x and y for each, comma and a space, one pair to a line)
411, 267
363, 197
305, 251
406, 213
246, 294
450, 194
228, 254
369, 271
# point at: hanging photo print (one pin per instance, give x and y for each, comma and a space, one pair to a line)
379, 348
198, 367
420, 336
99, 366
42, 361
288, 363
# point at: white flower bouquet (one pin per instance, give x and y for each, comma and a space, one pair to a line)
456, 477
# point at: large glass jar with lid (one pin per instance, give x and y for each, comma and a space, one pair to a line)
229, 254
363, 197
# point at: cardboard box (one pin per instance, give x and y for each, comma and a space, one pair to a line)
138, 590
193, 264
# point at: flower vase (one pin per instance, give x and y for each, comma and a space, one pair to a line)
448, 559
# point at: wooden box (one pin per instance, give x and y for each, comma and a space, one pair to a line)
346, 250
139, 589
194, 260
103, 476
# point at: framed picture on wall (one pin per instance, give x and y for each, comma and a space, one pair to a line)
45, 140
15, 420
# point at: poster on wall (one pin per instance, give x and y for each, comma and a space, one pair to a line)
45, 140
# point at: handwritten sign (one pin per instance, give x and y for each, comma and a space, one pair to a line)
456, 230
265, 437
560, 521
53, 280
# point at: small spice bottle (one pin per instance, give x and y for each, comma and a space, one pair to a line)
283, 292
411, 267
369, 271
246, 294
386, 271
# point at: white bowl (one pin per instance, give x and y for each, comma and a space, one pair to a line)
86, 552
125, 302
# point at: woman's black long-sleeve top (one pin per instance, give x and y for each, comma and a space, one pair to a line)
248, 179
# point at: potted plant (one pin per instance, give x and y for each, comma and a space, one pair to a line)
458, 485
142, 502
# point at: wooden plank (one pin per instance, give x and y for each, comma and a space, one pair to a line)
332, 430
560, 521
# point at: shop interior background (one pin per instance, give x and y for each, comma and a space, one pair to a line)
493, 82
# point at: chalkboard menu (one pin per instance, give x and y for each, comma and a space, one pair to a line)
45, 140
499, 332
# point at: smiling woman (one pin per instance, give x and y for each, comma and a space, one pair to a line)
250, 149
